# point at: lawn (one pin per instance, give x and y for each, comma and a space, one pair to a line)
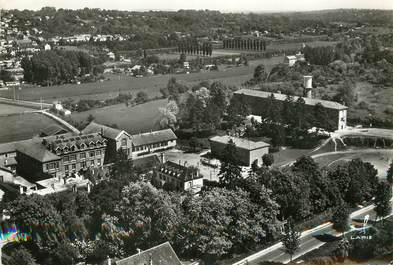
6, 109
123, 83
22, 126
140, 118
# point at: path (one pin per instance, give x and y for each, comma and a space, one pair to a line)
61, 121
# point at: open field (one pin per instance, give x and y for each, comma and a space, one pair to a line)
124, 83
377, 101
290, 46
6, 109
215, 53
22, 126
140, 118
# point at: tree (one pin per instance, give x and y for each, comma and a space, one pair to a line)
35, 215
340, 218
389, 174
346, 93
168, 115
141, 97
222, 221
218, 95
291, 239
382, 202
63, 254
323, 193
321, 118
90, 118
229, 170
260, 74
6, 76
268, 159
122, 169
292, 193
194, 143
21, 256
319, 55
154, 217
237, 110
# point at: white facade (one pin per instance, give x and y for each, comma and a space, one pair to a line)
342, 119
152, 148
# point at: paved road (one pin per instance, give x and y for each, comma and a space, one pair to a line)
308, 242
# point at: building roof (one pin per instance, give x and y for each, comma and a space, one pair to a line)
53, 129
240, 142
106, 131
70, 142
159, 255
10, 147
35, 149
309, 101
182, 173
153, 137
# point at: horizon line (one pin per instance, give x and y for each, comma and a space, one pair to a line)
193, 9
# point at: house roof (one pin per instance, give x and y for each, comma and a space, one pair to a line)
281, 97
107, 132
73, 142
180, 172
153, 137
35, 149
159, 255
240, 142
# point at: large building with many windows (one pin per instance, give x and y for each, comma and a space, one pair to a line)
151, 142
59, 156
257, 101
116, 140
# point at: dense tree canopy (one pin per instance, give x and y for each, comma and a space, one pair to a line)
57, 66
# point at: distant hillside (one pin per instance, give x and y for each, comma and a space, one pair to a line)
198, 23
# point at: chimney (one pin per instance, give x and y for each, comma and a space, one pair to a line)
162, 158
102, 131
307, 85
109, 261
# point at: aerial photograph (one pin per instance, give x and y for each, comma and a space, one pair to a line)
196, 132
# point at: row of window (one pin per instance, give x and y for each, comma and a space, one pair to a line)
82, 155
51, 166
75, 148
83, 164
150, 146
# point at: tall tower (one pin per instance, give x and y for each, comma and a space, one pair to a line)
307, 85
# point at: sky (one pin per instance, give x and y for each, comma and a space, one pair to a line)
222, 5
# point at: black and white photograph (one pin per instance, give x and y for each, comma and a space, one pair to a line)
196, 132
